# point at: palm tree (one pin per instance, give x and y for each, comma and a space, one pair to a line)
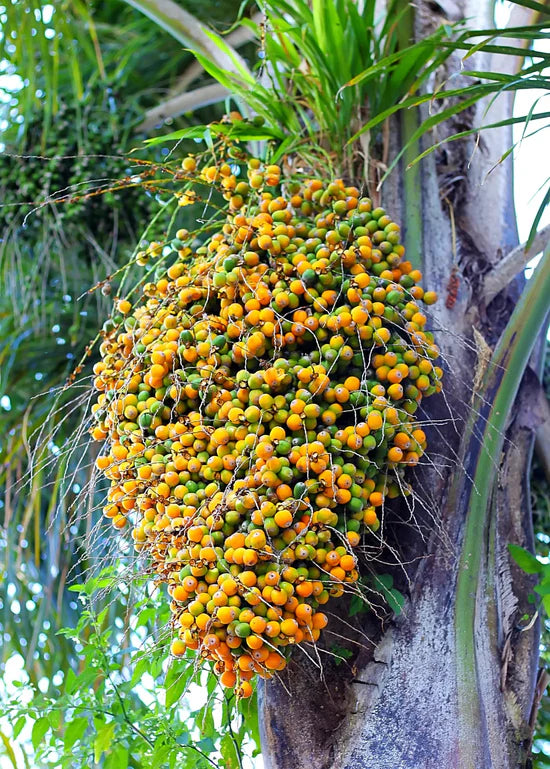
452, 677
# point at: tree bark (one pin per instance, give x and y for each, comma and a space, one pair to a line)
399, 702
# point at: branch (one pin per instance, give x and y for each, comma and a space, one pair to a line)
241, 35
232, 733
542, 440
513, 263
189, 31
177, 102
185, 102
542, 683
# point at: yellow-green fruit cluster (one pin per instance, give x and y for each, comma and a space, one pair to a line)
259, 406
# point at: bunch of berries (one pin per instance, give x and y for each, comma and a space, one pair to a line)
259, 406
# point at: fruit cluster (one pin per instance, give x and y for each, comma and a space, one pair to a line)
260, 405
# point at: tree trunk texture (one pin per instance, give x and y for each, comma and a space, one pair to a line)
399, 702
